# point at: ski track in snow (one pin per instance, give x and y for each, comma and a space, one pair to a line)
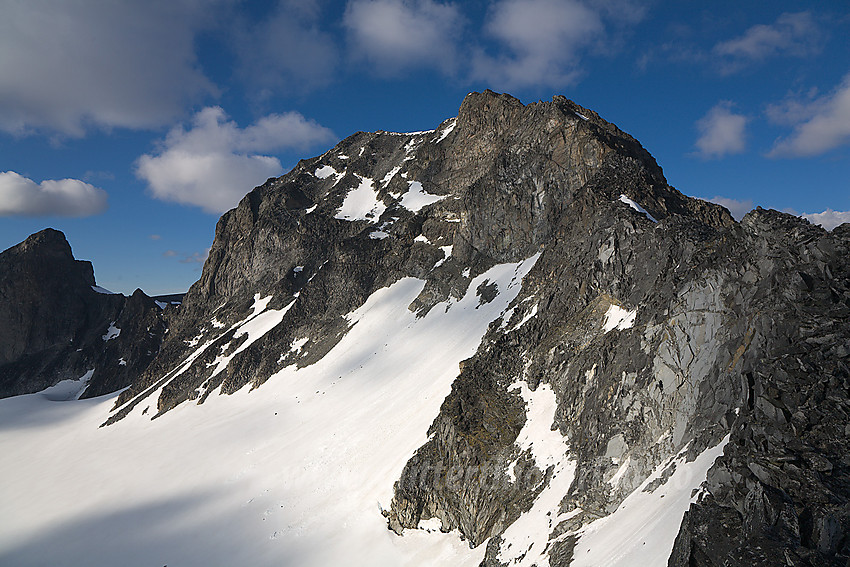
293, 473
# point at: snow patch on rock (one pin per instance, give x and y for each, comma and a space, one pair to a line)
446, 130
447, 253
361, 203
416, 197
112, 332
637, 207
327, 171
102, 290
524, 543
618, 318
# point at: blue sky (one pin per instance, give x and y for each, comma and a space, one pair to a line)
132, 125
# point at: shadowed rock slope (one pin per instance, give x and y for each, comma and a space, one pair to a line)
56, 324
651, 329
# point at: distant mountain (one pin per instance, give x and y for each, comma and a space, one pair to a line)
614, 373
57, 324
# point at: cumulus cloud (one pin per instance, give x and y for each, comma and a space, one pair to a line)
287, 50
67, 66
820, 123
543, 39
21, 196
722, 132
791, 35
737, 208
215, 163
398, 34
828, 219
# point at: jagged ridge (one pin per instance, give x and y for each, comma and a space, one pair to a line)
53, 320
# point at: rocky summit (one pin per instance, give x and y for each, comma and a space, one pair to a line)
664, 385
56, 324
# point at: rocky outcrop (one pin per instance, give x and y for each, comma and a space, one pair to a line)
779, 495
56, 324
740, 331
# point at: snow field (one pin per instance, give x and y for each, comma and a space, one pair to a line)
294, 473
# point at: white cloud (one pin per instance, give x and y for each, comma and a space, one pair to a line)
828, 219
737, 208
215, 163
21, 196
66, 66
722, 132
820, 124
287, 50
543, 39
398, 34
792, 34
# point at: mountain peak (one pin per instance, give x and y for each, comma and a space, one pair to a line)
48, 241
53, 320
517, 304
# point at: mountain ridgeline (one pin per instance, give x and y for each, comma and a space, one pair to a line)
652, 334
56, 324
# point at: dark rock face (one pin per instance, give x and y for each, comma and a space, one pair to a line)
781, 489
741, 330
659, 331
55, 326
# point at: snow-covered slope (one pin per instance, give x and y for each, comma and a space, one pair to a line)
294, 474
